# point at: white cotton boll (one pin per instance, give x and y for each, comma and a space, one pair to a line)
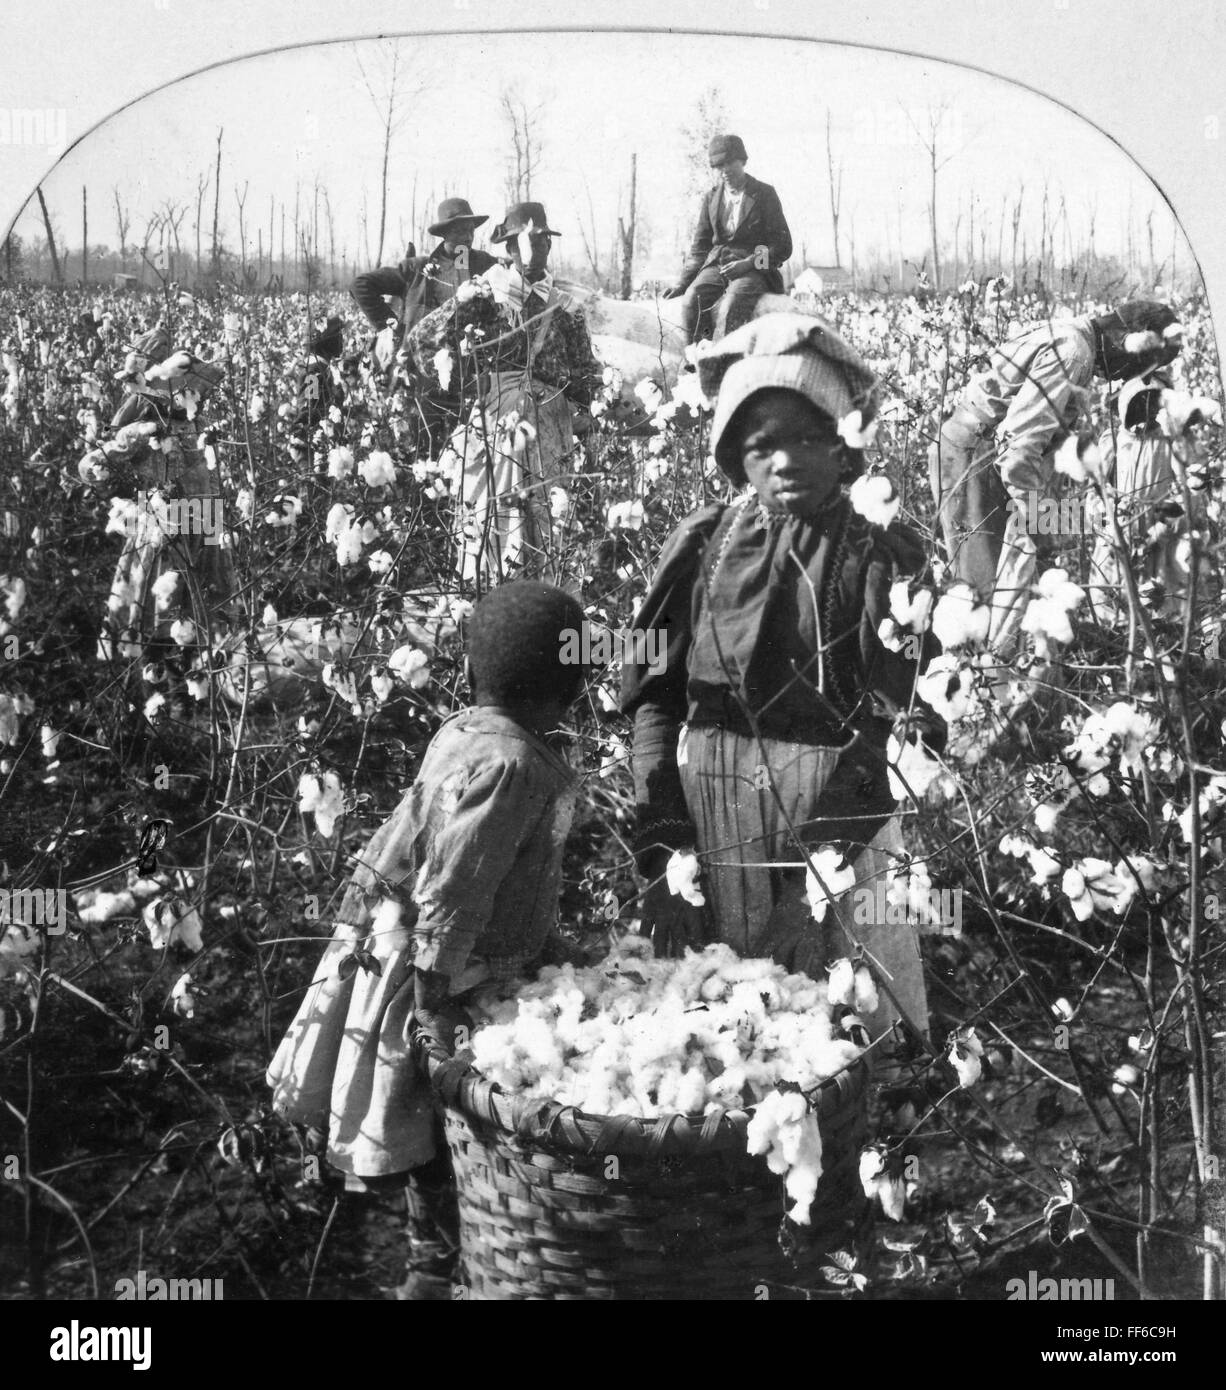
164, 589
650, 394
841, 989
959, 619
14, 594
171, 920
834, 872
911, 611
786, 1130
105, 907
50, 740
339, 516
382, 684
965, 1061
946, 686
911, 767
1048, 622
682, 872
876, 499
340, 463
183, 632
855, 433
410, 665
349, 545
866, 999
153, 706
1055, 586
444, 366
377, 469
380, 562
182, 1000
625, 516
1141, 343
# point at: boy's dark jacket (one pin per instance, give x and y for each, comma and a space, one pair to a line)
408, 285
868, 683
762, 224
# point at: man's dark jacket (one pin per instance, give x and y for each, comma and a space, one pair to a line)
417, 285
762, 224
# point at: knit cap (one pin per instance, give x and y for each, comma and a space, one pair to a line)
781, 351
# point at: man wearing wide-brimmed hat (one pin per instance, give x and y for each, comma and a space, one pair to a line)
524, 340
740, 243
422, 283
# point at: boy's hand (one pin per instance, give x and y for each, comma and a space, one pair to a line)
670, 921
437, 1014
450, 1026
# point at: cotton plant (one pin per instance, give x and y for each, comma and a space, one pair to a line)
322, 797
1048, 614
170, 920
827, 877
960, 619
875, 498
910, 615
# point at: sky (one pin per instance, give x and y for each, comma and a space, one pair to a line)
296, 117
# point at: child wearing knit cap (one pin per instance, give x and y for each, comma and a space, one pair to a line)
764, 735
458, 888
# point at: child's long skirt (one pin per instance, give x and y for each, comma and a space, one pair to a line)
508, 468
742, 833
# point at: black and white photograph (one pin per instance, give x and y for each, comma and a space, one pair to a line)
611, 674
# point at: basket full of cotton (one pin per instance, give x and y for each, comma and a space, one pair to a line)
648, 1129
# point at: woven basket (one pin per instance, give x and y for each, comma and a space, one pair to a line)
558, 1204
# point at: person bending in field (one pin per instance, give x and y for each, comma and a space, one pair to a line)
764, 735
458, 889
995, 454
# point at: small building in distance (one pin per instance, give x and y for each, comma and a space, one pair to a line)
817, 280
120, 281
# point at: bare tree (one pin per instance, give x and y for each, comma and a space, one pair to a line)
393, 88
55, 260
123, 220
172, 218
242, 224
152, 227
626, 232
331, 233
930, 139
202, 186
525, 158
85, 236
836, 189
216, 196
1017, 221
710, 119
591, 242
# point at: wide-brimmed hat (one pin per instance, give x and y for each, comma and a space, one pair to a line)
519, 217
792, 352
455, 212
